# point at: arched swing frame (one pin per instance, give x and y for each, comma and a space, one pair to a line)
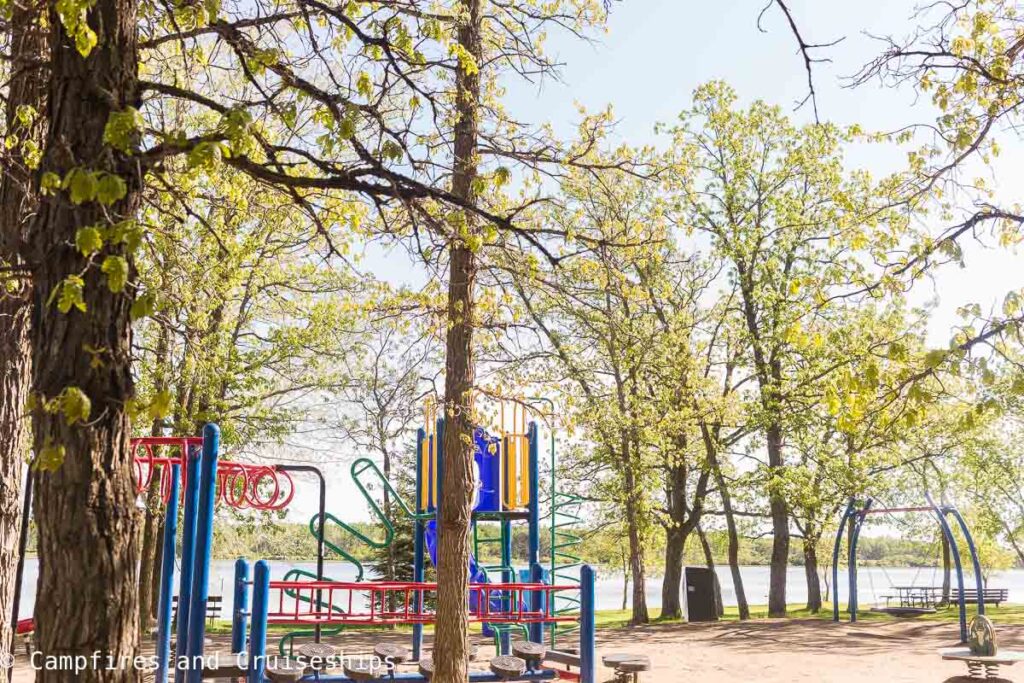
855, 515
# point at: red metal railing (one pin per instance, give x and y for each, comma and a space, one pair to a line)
367, 603
239, 485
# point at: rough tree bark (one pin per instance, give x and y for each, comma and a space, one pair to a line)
451, 654
684, 519
780, 527
709, 561
18, 201
85, 508
151, 540
812, 574
711, 449
637, 565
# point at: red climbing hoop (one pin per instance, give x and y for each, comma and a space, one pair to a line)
239, 485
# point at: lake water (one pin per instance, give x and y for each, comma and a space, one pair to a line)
873, 582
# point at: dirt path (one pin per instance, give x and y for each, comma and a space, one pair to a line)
772, 651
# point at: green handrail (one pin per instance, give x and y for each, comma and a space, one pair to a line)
359, 468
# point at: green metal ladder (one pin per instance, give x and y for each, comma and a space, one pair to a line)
566, 562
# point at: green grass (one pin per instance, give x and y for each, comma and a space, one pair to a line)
1004, 614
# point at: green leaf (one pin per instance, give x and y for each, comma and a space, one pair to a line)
160, 406
205, 156
50, 457
144, 306
69, 294
75, 405
81, 184
123, 129
116, 270
110, 189
49, 183
88, 240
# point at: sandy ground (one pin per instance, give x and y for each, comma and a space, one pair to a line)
765, 650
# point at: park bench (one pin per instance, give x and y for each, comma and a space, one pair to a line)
991, 596
214, 605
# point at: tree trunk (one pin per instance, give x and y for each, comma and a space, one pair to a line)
158, 559
451, 652
636, 547
147, 563
675, 547
86, 598
625, 581
813, 577
711, 449
780, 527
947, 566
18, 201
709, 560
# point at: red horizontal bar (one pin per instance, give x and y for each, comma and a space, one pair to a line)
411, 585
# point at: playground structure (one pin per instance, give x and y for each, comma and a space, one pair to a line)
526, 600
855, 515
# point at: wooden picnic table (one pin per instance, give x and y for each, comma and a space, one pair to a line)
916, 596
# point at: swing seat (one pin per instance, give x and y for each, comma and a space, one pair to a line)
904, 611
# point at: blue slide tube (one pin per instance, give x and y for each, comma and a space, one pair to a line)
188, 549
204, 545
163, 637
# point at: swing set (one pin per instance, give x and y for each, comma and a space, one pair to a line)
913, 600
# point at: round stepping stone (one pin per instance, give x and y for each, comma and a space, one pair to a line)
612, 660
391, 652
426, 667
317, 651
507, 667
531, 653
361, 669
286, 672
632, 666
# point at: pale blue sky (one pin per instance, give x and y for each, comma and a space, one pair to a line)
657, 51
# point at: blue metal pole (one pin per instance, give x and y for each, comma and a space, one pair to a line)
418, 543
835, 559
536, 597
163, 637
201, 563
189, 503
534, 521
974, 555
240, 606
588, 645
858, 522
258, 630
955, 552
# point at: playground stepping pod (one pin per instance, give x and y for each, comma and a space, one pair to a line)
362, 669
531, 653
627, 667
507, 667
426, 667
389, 651
286, 672
982, 655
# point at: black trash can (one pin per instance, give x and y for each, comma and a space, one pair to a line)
700, 594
